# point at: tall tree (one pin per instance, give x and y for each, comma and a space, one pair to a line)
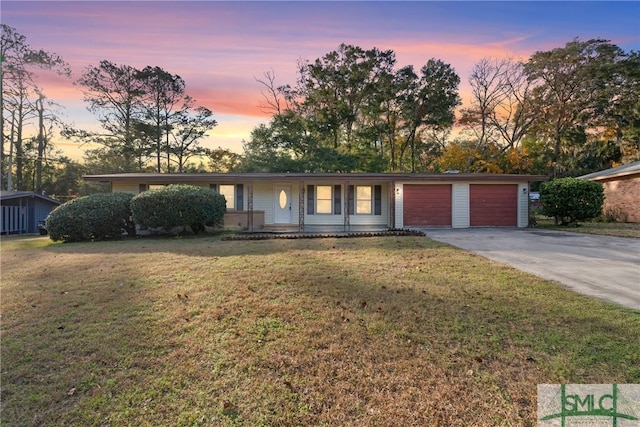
568, 84
115, 94
617, 108
335, 88
385, 116
62, 179
146, 114
501, 110
222, 160
275, 101
270, 149
190, 126
430, 103
289, 144
163, 93
18, 94
350, 110
42, 141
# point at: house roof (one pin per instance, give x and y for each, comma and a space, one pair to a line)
165, 178
10, 195
624, 170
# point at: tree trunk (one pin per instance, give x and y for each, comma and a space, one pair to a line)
166, 125
2, 165
41, 144
19, 150
10, 163
556, 151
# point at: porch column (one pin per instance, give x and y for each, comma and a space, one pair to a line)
250, 206
347, 219
392, 204
301, 194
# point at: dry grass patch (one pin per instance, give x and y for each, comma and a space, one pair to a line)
618, 229
372, 331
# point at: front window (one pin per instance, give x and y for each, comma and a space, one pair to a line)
363, 200
229, 193
323, 199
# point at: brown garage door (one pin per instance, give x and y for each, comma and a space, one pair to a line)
493, 205
427, 205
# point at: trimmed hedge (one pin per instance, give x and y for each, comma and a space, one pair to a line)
179, 205
96, 217
569, 200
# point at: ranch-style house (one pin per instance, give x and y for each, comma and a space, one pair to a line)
353, 201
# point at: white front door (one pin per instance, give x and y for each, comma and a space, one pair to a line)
282, 204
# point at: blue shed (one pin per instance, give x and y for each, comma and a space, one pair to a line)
22, 210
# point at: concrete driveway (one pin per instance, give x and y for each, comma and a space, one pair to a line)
599, 266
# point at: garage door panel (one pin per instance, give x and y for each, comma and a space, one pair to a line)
493, 205
427, 205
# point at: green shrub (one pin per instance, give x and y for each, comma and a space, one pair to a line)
179, 206
569, 200
95, 217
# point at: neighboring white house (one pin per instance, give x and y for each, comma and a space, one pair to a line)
353, 201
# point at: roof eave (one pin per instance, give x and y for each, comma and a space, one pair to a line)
253, 177
612, 176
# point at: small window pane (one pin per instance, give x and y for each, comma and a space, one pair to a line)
363, 193
283, 199
324, 192
229, 193
324, 206
363, 207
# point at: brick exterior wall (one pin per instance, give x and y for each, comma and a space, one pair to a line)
623, 193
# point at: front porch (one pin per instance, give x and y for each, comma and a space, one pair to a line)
316, 206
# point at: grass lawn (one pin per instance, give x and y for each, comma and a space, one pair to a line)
381, 331
619, 229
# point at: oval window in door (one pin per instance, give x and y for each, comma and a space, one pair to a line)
283, 199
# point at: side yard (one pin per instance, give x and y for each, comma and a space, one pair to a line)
364, 331
619, 229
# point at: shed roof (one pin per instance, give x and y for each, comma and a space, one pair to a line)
163, 178
10, 195
624, 170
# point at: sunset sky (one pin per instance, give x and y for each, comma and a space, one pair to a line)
219, 47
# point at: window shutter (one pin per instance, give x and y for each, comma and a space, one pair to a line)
310, 200
377, 200
337, 200
351, 199
239, 197
142, 188
213, 187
